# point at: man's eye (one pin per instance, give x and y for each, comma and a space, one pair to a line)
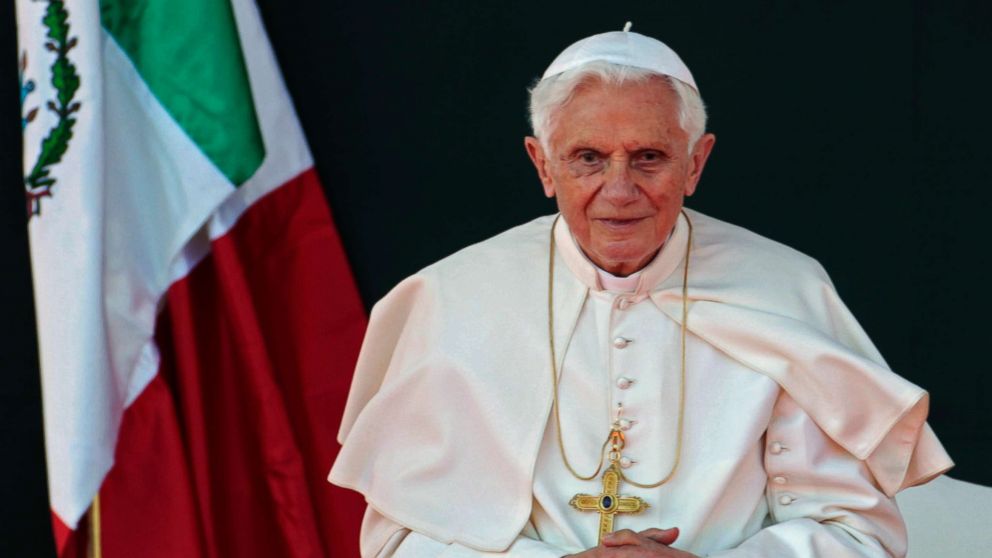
588, 157
649, 159
585, 163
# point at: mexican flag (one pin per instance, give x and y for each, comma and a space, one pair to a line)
197, 320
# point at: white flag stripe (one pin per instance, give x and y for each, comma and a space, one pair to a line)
158, 189
65, 249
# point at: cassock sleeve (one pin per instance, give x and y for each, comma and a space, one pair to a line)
822, 500
383, 538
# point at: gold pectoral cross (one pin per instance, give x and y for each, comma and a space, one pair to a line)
609, 503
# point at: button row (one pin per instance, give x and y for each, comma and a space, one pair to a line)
623, 382
776, 448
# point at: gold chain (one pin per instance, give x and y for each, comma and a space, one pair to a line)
612, 437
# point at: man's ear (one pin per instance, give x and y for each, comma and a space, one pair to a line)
540, 160
700, 154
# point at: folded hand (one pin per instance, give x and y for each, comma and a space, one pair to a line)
650, 543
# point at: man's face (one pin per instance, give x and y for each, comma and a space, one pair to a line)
619, 164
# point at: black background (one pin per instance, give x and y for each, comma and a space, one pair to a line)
856, 132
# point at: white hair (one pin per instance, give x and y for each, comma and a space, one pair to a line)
549, 95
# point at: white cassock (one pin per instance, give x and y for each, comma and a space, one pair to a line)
796, 433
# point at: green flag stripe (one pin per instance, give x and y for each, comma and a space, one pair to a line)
189, 54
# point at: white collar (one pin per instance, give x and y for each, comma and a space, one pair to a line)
640, 283
616, 284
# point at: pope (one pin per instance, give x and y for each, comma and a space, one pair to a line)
628, 377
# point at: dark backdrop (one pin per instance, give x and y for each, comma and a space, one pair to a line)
856, 132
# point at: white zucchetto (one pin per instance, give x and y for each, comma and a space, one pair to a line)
626, 48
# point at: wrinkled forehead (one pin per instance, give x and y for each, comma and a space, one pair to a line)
632, 114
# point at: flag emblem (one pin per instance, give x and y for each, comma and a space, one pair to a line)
65, 82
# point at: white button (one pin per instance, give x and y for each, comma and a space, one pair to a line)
626, 462
779, 480
624, 383
776, 447
625, 424
785, 499
621, 342
624, 303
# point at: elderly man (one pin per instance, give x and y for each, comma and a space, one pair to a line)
630, 378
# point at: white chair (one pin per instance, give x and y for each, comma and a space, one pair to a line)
948, 518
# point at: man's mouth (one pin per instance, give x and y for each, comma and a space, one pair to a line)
620, 223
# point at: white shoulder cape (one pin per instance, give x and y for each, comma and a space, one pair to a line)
452, 391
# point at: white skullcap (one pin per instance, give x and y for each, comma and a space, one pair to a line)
625, 48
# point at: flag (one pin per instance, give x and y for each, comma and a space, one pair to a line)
197, 319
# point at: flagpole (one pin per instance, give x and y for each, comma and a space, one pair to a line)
96, 550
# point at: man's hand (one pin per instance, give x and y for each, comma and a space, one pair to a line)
650, 543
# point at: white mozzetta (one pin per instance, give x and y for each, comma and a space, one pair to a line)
446, 428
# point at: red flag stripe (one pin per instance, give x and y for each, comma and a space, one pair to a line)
226, 452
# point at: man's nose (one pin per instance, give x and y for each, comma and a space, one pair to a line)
619, 187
